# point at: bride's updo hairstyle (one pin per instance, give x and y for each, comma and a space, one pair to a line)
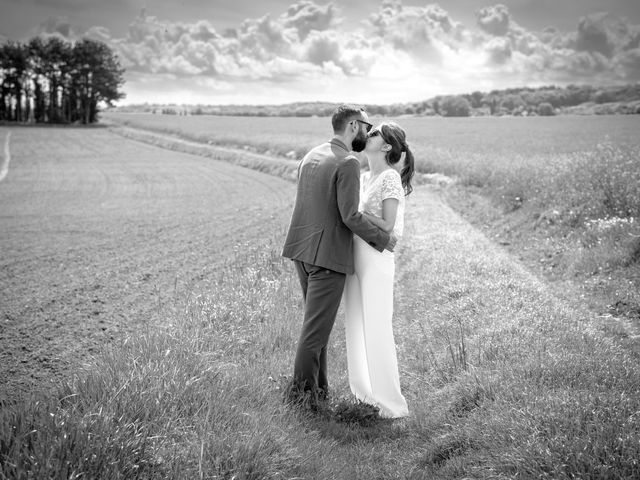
395, 136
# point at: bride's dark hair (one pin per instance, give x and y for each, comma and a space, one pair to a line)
394, 135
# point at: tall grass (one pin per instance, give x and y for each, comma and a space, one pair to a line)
519, 383
503, 380
575, 215
192, 399
600, 183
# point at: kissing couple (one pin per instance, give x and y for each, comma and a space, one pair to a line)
343, 231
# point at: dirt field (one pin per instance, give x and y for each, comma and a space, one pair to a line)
97, 232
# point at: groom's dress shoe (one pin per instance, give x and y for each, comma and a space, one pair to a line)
314, 401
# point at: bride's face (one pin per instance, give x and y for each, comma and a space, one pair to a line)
375, 142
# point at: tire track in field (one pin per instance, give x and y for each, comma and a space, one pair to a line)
99, 232
4, 169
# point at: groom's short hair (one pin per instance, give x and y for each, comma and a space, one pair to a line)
343, 115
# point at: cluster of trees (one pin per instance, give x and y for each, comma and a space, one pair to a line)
319, 109
549, 100
530, 101
54, 81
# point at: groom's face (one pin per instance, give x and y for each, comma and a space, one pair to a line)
360, 141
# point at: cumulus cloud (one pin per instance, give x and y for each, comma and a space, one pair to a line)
427, 32
628, 64
99, 33
306, 16
605, 34
594, 35
57, 26
322, 48
74, 4
494, 20
397, 49
499, 50
262, 48
597, 51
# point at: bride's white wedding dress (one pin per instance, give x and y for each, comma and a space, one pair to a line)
368, 300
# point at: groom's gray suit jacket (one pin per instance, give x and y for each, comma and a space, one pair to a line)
326, 214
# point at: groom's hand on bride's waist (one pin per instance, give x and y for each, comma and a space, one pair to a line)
392, 242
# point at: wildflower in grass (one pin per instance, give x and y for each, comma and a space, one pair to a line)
609, 223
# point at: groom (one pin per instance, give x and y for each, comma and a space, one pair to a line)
319, 242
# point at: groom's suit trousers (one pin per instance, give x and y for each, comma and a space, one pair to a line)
322, 292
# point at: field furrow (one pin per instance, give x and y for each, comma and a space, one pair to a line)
97, 231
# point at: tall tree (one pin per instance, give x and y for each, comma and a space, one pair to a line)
98, 77
56, 56
37, 64
4, 84
15, 70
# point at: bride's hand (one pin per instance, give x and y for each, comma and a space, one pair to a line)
393, 239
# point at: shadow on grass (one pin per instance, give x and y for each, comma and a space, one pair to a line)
345, 420
352, 422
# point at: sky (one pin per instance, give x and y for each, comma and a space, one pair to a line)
220, 52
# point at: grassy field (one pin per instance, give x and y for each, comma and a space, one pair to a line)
583, 166
562, 192
505, 376
432, 137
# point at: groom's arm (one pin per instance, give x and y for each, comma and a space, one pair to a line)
348, 192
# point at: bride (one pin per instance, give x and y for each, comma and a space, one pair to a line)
368, 294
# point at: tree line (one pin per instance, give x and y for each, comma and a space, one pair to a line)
546, 100
50, 80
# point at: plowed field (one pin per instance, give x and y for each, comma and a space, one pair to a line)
97, 232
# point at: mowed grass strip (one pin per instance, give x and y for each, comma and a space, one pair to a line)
272, 165
504, 380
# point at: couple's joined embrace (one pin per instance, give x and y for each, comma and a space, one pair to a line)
341, 238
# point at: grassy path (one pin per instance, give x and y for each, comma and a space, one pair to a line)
504, 379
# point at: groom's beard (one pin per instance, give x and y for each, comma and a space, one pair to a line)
359, 143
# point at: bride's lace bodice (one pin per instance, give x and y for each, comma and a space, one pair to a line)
374, 190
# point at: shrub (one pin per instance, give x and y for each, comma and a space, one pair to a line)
455, 106
513, 103
546, 109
